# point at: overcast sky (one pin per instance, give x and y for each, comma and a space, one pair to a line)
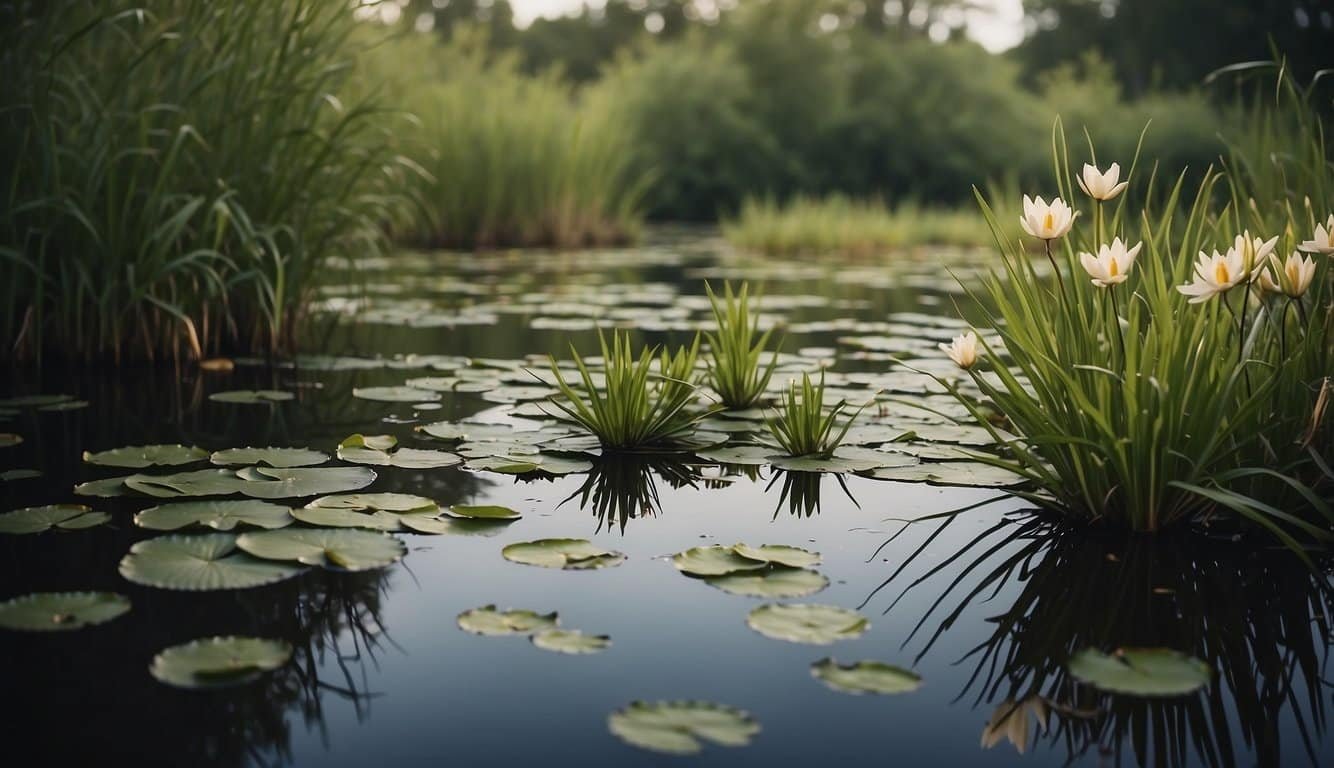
996, 24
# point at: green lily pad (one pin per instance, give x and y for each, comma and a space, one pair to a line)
373, 442
398, 394
567, 554
334, 549
207, 561
845, 459
406, 458
218, 515
283, 458
69, 517
491, 622
140, 456
323, 517
452, 526
803, 623
679, 727
388, 502
252, 396
570, 641
214, 662
742, 455
106, 488
973, 474
202, 482
714, 560
275, 483
779, 554
865, 677
1141, 671
49, 611
771, 583
10, 475
490, 512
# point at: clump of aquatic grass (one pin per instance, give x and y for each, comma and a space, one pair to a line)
1158, 389
636, 408
841, 225
736, 348
177, 174
804, 426
508, 158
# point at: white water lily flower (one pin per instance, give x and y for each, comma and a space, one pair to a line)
1010, 722
1214, 274
1101, 186
1254, 252
963, 350
1046, 221
1294, 275
1112, 264
1323, 242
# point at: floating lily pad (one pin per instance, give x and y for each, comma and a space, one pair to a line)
195, 563
846, 459
283, 458
49, 611
568, 554
214, 662
9, 439
218, 515
252, 396
679, 727
324, 517
799, 623
1141, 671
373, 442
503, 464
452, 526
771, 583
972, 474
491, 622
388, 502
779, 554
865, 677
202, 482
335, 549
275, 483
34, 401
406, 458
743, 455
398, 394
570, 641
69, 517
10, 475
714, 560
490, 512
140, 456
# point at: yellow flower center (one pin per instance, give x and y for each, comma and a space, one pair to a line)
1114, 270
1221, 273
1293, 274
1047, 222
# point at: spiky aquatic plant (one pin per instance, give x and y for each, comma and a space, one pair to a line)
636, 408
735, 370
803, 426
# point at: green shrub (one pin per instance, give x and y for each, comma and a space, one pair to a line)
177, 173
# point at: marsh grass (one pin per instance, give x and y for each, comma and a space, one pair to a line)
1136, 408
178, 174
803, 426
506, 158
736, 348
844, 226
637, 408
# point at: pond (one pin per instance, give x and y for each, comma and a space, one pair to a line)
986, 608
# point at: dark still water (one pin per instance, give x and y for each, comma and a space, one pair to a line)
986, 609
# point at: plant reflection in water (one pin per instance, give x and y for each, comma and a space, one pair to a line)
1259, 619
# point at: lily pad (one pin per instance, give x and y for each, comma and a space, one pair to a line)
388, 502
680, 727
400, 394
274, 483
195, 563
69, 517
846, 459
218, 515
491, 622
140, 456
214, 662
452, 526
865, 677
771, 583
202, 482
489, 512
570, 641
334, 549
715, 560
406, 458
1141, 671
973, 474
324, 517
568, 554
373, 442
10, 475
803, 623
49, 611
252, 396
743, 455
779, 554
283, 458
34, 401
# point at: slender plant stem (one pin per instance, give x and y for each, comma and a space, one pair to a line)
1116, 321
1060, 281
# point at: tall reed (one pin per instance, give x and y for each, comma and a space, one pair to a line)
178, 173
